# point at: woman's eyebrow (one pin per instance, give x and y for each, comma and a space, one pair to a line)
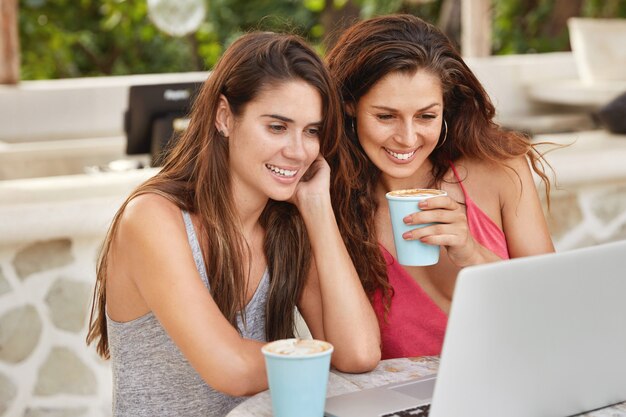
288, 120
393, 110
279, 117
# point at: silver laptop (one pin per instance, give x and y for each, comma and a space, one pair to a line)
530, 337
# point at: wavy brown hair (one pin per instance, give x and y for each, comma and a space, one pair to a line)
195, 178
364, 54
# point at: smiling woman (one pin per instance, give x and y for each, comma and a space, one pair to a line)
417, 117
208, 259
285, 142
402, 106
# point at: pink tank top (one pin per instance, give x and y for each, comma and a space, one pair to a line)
415, 325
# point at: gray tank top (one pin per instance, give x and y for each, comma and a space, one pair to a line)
151, 377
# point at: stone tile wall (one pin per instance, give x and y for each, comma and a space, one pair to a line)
45, 368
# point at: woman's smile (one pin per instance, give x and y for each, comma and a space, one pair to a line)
281, 172
401, 157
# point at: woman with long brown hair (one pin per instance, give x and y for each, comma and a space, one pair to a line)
417, 117
209, 258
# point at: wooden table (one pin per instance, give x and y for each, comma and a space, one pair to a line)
387, 371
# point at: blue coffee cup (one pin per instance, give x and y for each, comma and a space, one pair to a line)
401, 204
297, 372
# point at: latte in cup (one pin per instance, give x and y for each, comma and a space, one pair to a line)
401, 204
416, 192
297, 373
297, 347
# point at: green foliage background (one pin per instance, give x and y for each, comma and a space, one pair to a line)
523, 26
78, 38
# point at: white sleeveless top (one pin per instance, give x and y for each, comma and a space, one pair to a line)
151, 377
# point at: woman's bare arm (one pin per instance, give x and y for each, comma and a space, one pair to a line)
334, 304
151, 250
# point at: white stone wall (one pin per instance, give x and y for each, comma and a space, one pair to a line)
45, 367
51, 230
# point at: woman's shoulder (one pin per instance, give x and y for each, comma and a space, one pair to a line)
483, 180
148, 226
496, 172
150, 205
150, 212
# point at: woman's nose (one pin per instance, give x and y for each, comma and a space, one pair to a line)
295, 148
406, 134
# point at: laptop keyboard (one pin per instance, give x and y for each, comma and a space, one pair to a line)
419, 411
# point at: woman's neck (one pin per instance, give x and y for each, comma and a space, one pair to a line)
248, 207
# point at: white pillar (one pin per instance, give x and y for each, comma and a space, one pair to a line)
476, 28
9, 43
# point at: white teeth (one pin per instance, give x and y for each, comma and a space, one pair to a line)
280, 171
401, 156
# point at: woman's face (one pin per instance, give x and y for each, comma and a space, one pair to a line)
398, 123
275, 140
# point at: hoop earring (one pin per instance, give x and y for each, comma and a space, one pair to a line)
352, 119
445, 136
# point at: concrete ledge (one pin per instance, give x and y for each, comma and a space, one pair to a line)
60, 157
589, 157
574, 92
505, 78
76, 205
72, 108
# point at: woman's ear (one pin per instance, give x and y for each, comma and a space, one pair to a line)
350, 109
223, 117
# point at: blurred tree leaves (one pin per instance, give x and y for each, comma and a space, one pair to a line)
77, 38
73, 38
532, 26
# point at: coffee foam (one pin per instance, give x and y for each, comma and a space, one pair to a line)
416, 192
297, 347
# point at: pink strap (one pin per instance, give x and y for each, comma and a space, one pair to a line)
483, 229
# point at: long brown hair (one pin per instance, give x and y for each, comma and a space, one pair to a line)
365, 53
194, 177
